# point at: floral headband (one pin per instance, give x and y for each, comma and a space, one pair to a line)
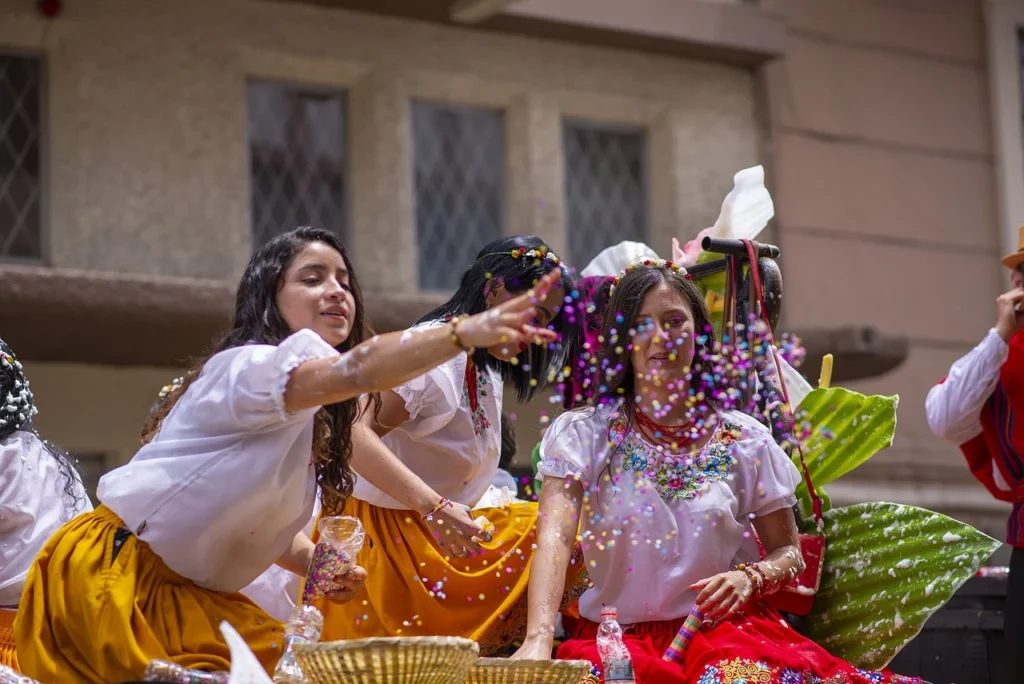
647, 263
166, 390
521, 252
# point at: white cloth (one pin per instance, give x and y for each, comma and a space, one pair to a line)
643, 551
277, 590
954, 407
454, 451
33, 506
228, 481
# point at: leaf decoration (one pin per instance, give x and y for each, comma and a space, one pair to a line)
846, 429
888, 568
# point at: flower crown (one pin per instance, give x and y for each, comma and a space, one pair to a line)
647, 263
521, 252
166, 390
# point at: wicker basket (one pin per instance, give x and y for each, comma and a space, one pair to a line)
505, 671
396, 660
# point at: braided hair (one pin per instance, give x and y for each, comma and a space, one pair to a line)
17, 408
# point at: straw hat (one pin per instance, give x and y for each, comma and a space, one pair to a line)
1012, 261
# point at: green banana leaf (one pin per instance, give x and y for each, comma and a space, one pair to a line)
888, 568
847, 428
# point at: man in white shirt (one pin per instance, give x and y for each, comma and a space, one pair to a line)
974, 407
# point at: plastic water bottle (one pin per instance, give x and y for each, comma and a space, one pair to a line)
164, 671
303, 627
10, 676
618, 666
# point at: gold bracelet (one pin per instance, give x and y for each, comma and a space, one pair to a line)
456, 340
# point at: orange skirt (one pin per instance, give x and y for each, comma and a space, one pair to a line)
414, 588
8, 656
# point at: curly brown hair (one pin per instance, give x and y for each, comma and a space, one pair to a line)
259, 321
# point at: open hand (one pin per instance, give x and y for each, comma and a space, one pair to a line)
455, 531
347, 585
510, 323
723, 595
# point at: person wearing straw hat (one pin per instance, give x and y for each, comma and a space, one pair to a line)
974, 407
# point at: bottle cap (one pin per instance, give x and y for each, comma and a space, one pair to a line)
609, 611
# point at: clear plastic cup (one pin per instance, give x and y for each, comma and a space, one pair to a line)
341, 538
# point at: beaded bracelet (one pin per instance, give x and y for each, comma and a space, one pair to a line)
765, 584
444, 502
456, 340
755, 579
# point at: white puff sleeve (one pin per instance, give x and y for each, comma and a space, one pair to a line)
575, 446
244, 387
433, 398
768, 476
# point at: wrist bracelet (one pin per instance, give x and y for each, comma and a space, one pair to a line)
456, 340
443, 503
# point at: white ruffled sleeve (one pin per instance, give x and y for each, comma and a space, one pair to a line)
245, 386
768, 477
433, 398
574, 447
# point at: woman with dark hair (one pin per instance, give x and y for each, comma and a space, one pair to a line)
666, 485
227, 476
39, 491
445, 426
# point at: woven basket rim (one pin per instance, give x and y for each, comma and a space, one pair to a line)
508, 663
390, 642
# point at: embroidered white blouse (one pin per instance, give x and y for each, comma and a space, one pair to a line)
653, 524
33, 506
228, 482
452, 448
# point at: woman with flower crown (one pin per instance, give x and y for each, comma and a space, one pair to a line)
666, 484
39, 491
445, 427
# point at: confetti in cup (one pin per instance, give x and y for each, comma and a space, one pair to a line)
341, 537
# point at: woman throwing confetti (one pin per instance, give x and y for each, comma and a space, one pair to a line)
667, 484
39, 492
226, 481
445, 427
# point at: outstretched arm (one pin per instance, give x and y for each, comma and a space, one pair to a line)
392, 359
557, 522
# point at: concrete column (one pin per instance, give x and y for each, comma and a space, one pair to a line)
382, 227
535, 186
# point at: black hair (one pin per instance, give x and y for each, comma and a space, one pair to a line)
17, 408
259, 321
499, 263
508, 443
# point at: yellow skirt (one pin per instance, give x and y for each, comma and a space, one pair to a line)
7, 655
414, 588
88, 614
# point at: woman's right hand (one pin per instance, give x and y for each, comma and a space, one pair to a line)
510, 322
455, 530
534, 648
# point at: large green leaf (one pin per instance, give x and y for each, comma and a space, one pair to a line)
888, 568
847, 428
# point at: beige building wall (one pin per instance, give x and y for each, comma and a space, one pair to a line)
147, 155
885, 188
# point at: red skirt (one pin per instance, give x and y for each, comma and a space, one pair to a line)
756, 645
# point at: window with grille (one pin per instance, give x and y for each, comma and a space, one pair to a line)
297, 159
21, 178
459, 175
606, 187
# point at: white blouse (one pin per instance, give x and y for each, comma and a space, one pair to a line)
33, 506
653, 524
228, 481
450, 447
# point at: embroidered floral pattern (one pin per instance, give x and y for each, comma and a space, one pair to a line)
480, 422
745, 671
677, 476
